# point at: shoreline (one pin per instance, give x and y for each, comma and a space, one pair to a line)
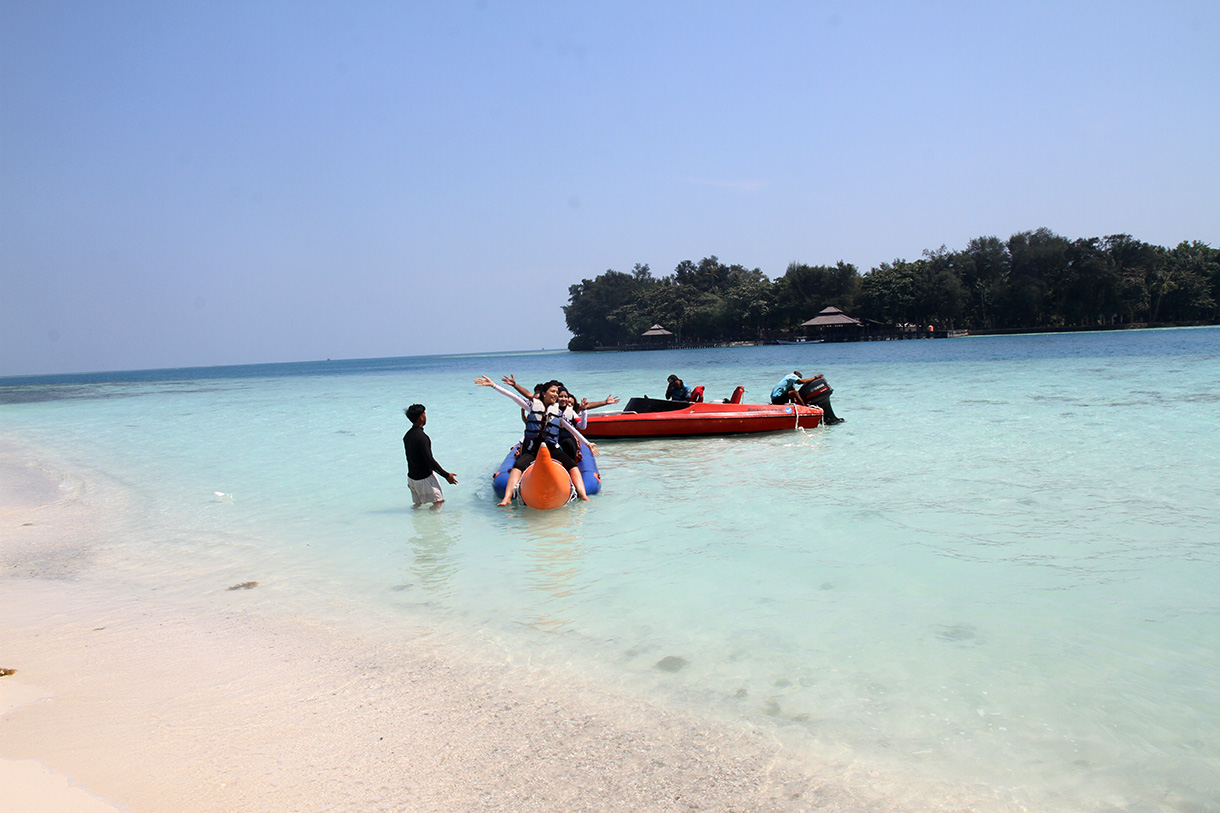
123, 700
835, 336
162, 374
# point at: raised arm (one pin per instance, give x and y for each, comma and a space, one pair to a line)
512, 382
484, 381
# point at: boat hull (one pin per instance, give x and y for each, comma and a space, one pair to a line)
676, 419
587, 465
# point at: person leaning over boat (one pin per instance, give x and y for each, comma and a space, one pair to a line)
677, 391
542, 425
787, 389
422, 467
816, 392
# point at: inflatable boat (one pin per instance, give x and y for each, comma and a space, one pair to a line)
656, 417
545, 484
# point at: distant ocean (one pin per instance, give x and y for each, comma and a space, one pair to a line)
1002, 572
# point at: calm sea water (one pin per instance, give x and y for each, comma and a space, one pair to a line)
1002, 572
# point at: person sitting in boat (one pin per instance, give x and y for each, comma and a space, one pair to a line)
677, 391
788, 389
542, 424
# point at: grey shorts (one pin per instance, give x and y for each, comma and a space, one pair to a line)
426, 490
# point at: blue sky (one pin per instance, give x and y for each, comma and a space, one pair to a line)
197, 183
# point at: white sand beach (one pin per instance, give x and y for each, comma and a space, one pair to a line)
128, 702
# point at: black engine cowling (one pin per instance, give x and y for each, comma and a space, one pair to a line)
815, 388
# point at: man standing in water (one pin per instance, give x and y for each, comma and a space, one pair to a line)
422, 467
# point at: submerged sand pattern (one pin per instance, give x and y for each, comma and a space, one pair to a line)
206, 705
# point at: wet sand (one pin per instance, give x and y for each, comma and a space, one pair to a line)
124, 701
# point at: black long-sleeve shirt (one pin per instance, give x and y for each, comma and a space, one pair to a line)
420, 462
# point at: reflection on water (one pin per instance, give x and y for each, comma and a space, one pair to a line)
433, 563
553, 557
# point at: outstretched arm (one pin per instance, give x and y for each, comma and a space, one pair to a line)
484, 381
610, 399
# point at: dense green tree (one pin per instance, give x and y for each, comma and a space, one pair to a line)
1134, 263
682, 309
1037, 265
596, 308
890, 293
750, 305
804, 290
1189, 276
1034, 279
945, 299
1088, 289
984, 268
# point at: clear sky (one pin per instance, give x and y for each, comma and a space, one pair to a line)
228, 182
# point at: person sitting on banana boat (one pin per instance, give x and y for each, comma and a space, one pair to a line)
576, 413
542, 424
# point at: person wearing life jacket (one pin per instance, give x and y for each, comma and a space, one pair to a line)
575, 412
578, 415
543, 422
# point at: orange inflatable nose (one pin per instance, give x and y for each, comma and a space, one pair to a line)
544, 484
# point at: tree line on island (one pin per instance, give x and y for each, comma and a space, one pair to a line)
1035, 279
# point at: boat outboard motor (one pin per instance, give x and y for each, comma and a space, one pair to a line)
817, 393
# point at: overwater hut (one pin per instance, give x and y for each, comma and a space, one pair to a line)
834, 323
657, 335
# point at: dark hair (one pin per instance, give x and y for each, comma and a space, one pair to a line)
413, 412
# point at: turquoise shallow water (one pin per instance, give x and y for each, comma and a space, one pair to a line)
1001, 572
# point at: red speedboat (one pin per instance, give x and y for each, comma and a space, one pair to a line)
656, 417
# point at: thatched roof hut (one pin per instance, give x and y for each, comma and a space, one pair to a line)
832, 317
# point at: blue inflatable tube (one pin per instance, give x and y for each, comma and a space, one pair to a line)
587, 465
